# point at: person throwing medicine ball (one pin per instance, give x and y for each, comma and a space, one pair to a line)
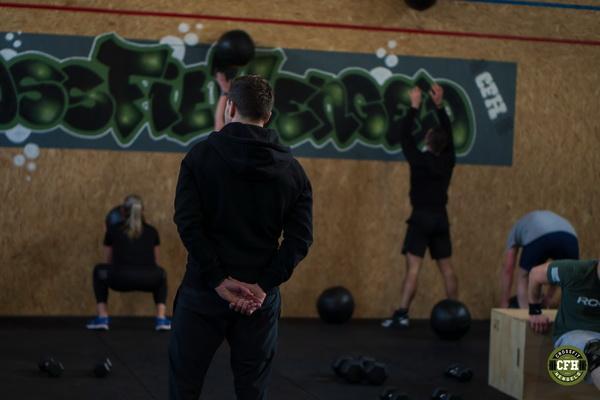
428, 225
237, 192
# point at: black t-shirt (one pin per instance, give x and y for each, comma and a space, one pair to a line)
430, 174
126, 251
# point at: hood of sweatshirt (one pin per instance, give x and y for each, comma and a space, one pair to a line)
251, 151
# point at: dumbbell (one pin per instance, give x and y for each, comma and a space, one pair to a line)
352, 371
375, 373
356, 370
338, 362
348, 368
393, 394
443, 394
459, 372
50, 366
103, 368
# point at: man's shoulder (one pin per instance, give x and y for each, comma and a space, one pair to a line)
199, 149
571, 272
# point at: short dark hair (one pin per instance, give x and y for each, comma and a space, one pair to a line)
438, 140
253, 96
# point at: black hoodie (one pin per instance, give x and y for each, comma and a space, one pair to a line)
237, 191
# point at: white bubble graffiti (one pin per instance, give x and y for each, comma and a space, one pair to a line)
191, 39
7, 54
391, 60
176, 44
19, 160
18, 134
183, 27
31, 150
381, 74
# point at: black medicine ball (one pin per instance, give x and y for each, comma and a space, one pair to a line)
233, 49
114, 216
335, 305
420, 5
450, 319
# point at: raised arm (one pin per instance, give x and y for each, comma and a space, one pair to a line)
407, 140
224, 85
297, 238
189, 219
437, 95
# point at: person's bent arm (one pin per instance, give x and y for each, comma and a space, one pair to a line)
407, 140
297, 238
437, 96
538, 277
506, 280
220, 113
224, 85
189, 219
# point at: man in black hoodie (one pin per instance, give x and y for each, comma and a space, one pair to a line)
237, 192
428, 226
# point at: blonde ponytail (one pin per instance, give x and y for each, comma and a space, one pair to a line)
133, 209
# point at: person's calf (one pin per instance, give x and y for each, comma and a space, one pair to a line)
450, 279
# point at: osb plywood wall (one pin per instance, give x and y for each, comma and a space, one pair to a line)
51, 227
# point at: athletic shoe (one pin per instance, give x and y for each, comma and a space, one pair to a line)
98, 323
162, 324
398, 320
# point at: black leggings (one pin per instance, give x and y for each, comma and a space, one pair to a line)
126, 279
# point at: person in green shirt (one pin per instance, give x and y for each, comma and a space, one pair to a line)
577, 323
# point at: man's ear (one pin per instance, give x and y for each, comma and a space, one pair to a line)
232, 108
266, 121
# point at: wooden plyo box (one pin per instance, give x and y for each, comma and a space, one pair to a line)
517, 364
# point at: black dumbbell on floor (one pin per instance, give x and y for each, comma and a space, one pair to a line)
338, 362
443, 394
51, 367
103, 368
376, 373
358, 370
459, 372
352, 371
393, 393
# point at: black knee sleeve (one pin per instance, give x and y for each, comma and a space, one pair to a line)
100, 280
592, 353
101, 272
160, 293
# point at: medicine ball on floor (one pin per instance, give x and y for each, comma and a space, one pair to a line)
450, 319
335, 305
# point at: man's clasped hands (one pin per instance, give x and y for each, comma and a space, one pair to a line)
242, 297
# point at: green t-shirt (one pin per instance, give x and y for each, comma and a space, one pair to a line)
580, 302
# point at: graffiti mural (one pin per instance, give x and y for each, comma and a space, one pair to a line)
131, 95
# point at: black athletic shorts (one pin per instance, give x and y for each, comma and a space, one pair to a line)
428, 229
551, 246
